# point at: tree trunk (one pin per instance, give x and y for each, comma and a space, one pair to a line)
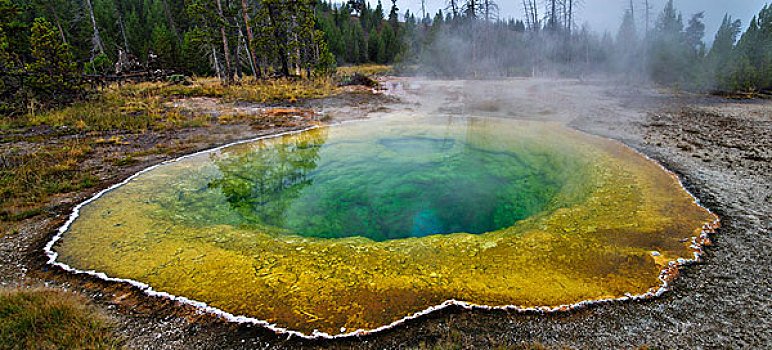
226, 50
216, 64
570, 17
249, 52
58, 24
474, 51
553, 17
527, 11
123, 33
535, 8
531, 15
255, 67
96, 39
570, 29
316, 51
237, 59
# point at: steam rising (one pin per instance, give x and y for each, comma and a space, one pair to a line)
665, 46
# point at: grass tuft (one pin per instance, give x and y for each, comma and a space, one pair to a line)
44, 318
28, 175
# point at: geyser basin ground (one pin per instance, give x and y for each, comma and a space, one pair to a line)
361, 225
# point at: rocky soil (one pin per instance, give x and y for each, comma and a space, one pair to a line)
721, 149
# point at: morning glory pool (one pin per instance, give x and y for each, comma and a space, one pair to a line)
360, 225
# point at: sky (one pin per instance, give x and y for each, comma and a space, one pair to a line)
606, 15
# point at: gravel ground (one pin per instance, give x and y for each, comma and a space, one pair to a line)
721, 149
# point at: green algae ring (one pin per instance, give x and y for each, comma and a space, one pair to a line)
343, 230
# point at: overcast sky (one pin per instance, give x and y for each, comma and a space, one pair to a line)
605, 15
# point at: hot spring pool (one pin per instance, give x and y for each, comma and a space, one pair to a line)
360, 225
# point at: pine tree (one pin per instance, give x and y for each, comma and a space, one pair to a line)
325, 63
752, 59
742, 75
53, 75
361, 43
191, 53
721, 52
382, 56
394, 16
8, 11
287, 37
210, 31
378, 16
163, 46
627, 46
364, 18
10, 102
135, 32
101, 65
390, 43
373, 44
668, 50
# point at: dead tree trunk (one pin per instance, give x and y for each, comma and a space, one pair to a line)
570, 17
553, 16
216, 64
237, 59
531, 15
226, 50
96, 39
58, 24
123, 33
249, 52
258, 72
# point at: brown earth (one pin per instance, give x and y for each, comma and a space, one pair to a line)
720, 148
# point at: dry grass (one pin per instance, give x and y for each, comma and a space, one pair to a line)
31, 173
142, 106
43, 318
275, 91
365, 69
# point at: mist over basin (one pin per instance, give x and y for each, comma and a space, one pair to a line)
359, 225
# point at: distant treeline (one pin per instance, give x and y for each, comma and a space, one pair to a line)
208, 37
46, 44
